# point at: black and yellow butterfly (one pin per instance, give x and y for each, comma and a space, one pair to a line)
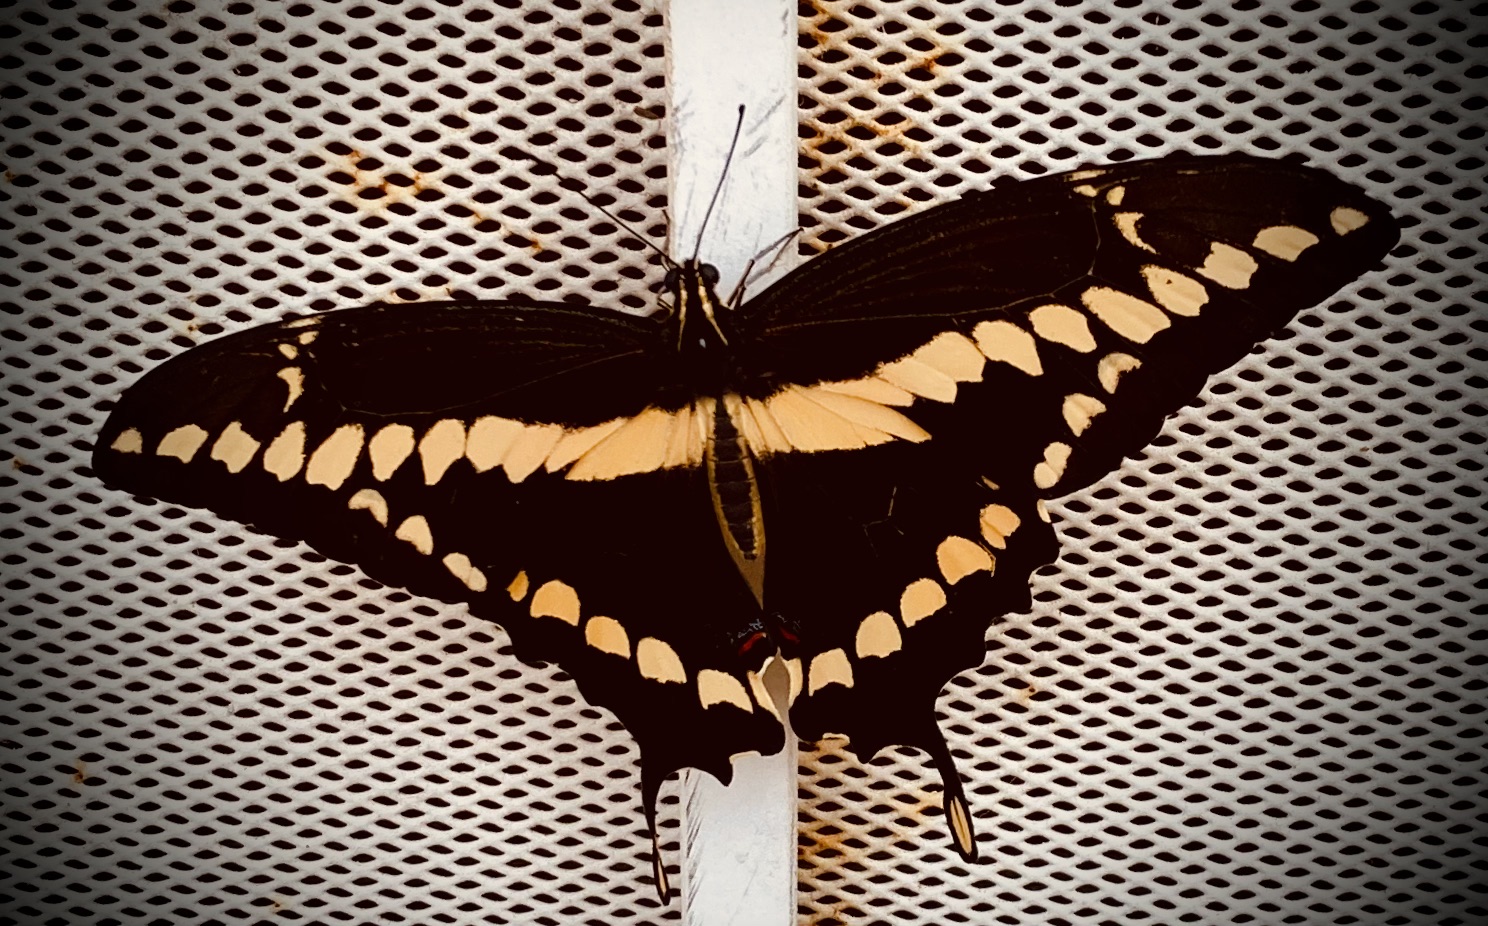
828, 491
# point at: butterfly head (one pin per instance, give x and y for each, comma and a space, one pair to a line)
692, 285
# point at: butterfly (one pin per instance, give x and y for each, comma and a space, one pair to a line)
816, 500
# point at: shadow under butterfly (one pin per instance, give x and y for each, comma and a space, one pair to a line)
831, 489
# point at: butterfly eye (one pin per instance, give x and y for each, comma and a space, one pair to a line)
709, 273
672, 280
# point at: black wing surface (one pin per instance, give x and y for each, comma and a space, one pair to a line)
1036, 335
473, 452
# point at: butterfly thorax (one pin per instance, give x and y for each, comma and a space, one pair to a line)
733, 484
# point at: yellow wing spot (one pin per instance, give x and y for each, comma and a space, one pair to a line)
958, 558
1228, 266
370, 500
1175, 292
1126, 223
294, 378
953, 354
1345, 219
1284, 241
519, 586
332, 462
638, 445
1051, 470
1080, 410
829, 668
921, 598
529, 450
574, 444
1006, 342
1115, 195
1061, 324
659, 662
489, 440
960, 819
1128, 316
556, 599
307, 337
286, 454
461, 568
608, 636
129, 441
878, 636
441, 446
290, 351
1043, 511
415, 530
1111, 368
1086, 189
878, 419
715, 687
235, 448
998, 524
182, 443
388, 449
912, 375
812, 426
870, 389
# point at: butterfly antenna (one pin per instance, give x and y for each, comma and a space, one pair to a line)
574, 186
727, 160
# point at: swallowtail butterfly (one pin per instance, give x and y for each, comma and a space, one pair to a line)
832, 488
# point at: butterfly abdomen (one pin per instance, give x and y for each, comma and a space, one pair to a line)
736, 495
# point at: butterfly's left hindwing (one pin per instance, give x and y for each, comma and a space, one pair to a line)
432, 445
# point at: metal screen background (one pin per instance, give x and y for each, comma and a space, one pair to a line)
1249, 692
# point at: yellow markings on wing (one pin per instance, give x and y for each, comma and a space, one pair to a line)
332, 462
1284, 241
659, 662
461, 568
182, 443
1079, 410
1061, 324
1132, 318
234, 447
441, 446
286, 455
1175, 292
607, 635
959, 557
638, 445
388, 448
715, 687
294, 379
998, 524
1111, 368
878, 636
129, 441
829, 668
370, 500
1345, 219
921, 598
1006, 342
556, 599
1228, 266
488, 441
415, 531
1051, 470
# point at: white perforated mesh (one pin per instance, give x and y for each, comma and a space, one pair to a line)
1249, 692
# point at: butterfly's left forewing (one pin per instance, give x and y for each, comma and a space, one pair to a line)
935, 380
534, 461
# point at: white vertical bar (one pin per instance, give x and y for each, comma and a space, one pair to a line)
739, 842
